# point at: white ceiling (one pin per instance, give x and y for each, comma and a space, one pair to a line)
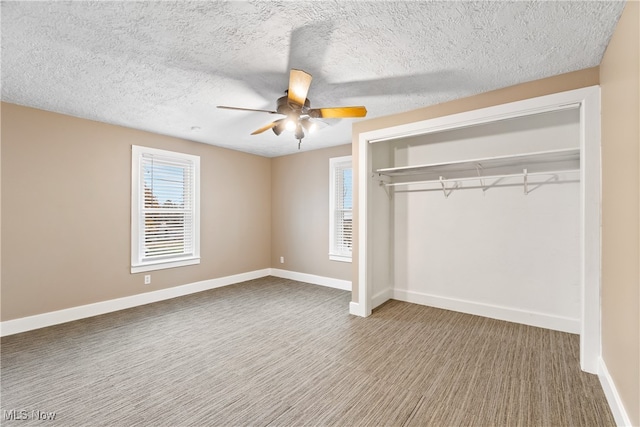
164, 66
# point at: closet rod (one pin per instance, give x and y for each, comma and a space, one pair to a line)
476, 178
480, 187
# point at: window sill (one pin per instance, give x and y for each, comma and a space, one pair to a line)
341, 258
164, 264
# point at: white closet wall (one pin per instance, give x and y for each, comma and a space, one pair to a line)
497, 252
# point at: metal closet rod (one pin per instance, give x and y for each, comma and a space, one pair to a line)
476, 178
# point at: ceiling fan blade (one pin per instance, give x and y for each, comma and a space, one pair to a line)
299, 83
338, 112
266, 127
247, 109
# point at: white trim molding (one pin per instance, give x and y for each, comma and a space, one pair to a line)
613, 398
15, 326
509, 314
381, 297
330, 282
337, 239
587, 100
356, 309
29, 323
189, 209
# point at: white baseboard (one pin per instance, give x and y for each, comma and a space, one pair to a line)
15, 326
24, 324
542, 320
357, 309
330, 282
381, 297
377, 300
613, 398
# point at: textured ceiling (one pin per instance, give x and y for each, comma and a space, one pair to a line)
164, 66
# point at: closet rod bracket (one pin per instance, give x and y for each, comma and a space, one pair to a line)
385, 187
383, 182
479, 171
445, 190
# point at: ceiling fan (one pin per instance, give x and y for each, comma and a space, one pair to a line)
297, 108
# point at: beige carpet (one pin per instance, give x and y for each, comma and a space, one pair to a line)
282, 353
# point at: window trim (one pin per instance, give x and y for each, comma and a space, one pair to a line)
334, 163
137, 264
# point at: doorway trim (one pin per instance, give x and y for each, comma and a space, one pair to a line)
588, 101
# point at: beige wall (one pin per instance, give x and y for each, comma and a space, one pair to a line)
620, 81
66, 185
560, 83
300, 213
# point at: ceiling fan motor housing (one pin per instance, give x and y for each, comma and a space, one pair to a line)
286, 107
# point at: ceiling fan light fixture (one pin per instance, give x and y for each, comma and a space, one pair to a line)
309, 126
279, 127
290, 125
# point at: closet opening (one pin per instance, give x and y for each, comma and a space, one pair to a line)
493, 212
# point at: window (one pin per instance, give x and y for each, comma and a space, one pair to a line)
165, 217
340, 206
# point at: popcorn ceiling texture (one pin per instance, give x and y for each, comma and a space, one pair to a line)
164, 66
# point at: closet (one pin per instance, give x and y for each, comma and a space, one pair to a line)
493, 212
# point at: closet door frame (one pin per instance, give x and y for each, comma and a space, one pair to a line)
587, 100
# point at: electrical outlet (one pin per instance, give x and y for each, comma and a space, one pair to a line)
281, 260
147, 279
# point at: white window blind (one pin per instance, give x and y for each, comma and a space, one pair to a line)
341, 208
165, 213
